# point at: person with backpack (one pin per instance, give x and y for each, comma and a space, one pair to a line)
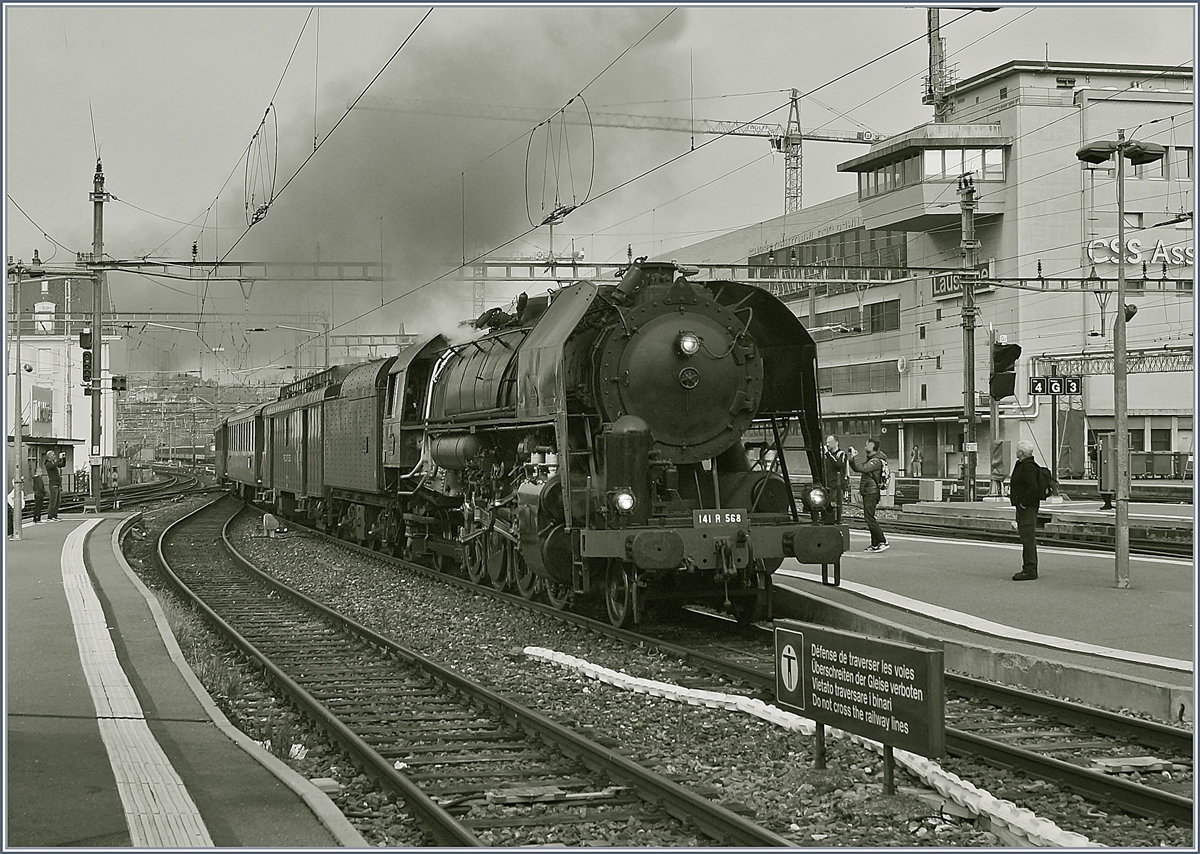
1025, 493
875, 475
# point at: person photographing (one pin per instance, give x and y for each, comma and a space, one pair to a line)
873, 468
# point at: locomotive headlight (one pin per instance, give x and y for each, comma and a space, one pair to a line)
688, 343
624, 501
817, 498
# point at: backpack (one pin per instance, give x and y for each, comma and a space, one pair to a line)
1046, 483
884, 475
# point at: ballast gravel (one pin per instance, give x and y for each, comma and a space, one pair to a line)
745, 764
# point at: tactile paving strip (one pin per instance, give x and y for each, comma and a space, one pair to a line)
158, 809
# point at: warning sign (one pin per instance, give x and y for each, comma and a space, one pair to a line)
889, 691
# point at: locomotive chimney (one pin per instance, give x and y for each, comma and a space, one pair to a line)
641, 275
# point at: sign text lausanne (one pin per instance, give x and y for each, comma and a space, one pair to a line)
889, 691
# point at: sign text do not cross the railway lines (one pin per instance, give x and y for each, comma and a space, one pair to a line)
889, 691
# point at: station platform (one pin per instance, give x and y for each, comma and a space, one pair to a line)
112, 742
1071, 633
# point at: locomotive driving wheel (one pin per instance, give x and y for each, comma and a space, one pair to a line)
497, 560
475, 555
526, 580
619, 590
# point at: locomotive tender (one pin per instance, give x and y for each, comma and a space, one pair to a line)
594, 442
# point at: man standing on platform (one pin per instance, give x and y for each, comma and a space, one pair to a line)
871, 470
836, 477
54, 481
1024, 493
39, 492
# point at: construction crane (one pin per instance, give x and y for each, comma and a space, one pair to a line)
786, 139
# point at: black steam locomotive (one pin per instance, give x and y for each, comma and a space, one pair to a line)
629, 440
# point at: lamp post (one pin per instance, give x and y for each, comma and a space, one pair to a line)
1137, 153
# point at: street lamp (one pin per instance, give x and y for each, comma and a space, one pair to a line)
1138, 153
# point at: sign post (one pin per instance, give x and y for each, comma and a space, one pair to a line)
885, 690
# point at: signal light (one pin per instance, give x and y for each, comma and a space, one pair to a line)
118, 384
85, 339
1003, 381
87, 367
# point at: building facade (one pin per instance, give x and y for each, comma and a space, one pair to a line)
874, 273
55, 412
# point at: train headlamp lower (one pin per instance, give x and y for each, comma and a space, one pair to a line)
688, 343
818, 499
623, 500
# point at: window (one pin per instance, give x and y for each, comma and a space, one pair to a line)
1003, 95
924, 394
973, 161
954, 162
938, 365
1181, 163
1137, 440
866, 378
921, 331
1160, 440
883, 316
933, 164
993, 164
1154, 171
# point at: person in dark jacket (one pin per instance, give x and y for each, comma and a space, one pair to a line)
868, 487
54, 481
1025, 495
39, 492
837, 478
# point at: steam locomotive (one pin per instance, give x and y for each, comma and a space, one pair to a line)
620, 443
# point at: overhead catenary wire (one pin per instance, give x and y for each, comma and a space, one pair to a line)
610, 190
623, 184
338, 123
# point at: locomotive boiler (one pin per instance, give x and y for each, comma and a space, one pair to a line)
625, 444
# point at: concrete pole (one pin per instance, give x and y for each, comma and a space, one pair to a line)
19, 469
1121, 384
995, 476
966, 189
99, 197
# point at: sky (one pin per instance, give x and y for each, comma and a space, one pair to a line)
203, 115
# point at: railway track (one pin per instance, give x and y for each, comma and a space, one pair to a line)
1095, 753
170, 486
1092, 752
464, 759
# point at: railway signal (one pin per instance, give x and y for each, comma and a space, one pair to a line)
1003, 380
